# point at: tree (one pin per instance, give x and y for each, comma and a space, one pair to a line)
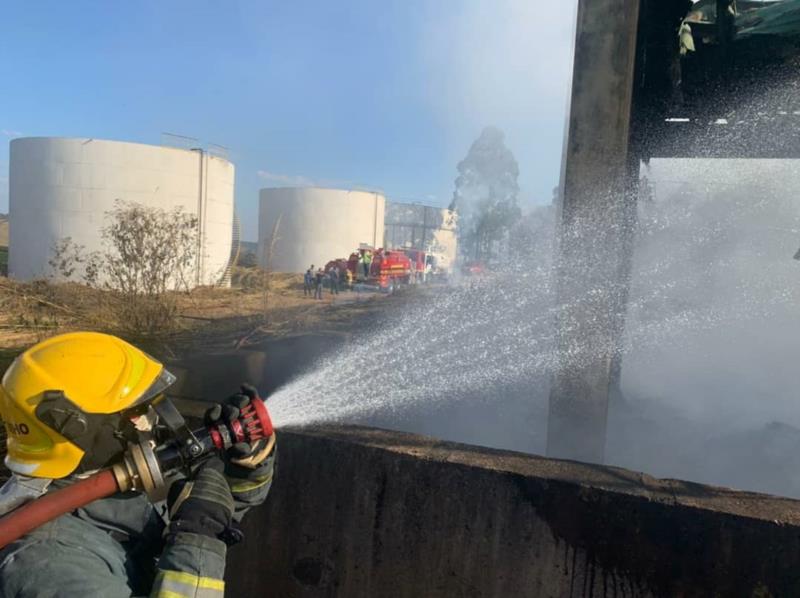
147, 253
485, 195
148, 250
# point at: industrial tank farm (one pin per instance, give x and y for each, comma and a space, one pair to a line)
316, 225
63, 187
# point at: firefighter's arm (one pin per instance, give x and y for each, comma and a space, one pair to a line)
192, 564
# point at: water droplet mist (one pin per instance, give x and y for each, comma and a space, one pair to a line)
712, 338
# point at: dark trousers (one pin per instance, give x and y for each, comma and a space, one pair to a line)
334, 287
366, 270
318, 291
306, 289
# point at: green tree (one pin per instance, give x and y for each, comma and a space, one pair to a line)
485, 195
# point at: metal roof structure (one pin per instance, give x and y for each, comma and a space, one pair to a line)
734, 96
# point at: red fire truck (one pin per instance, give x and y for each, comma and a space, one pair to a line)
388, 270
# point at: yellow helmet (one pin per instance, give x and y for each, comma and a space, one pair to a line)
64, 399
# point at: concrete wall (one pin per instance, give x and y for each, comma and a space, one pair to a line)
62, 187
357, 512
317, 225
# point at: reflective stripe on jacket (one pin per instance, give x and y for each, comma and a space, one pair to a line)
171, 584
192, 566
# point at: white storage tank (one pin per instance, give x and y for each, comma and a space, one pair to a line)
64, 187
316, 225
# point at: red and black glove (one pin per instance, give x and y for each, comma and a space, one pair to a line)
248, 465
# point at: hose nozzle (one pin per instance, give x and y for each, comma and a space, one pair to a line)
252, 425
144, 467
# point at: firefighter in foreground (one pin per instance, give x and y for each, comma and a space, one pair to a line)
71, 406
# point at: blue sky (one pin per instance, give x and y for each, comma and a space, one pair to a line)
384, 94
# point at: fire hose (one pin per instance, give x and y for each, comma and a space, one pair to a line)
143, 467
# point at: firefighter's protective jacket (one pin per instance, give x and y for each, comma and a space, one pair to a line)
114, 548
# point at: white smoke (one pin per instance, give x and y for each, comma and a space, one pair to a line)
506, 63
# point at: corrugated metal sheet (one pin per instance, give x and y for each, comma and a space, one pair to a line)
766, 17
780, 18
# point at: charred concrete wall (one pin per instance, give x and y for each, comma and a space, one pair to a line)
359, 512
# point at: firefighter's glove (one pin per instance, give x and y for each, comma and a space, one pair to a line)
248, 467
203, 504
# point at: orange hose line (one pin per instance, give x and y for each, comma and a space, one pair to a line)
54, 504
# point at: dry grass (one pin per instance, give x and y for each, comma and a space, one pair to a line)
235, 317
30, 312
238, 317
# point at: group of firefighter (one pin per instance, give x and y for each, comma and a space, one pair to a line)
337, 277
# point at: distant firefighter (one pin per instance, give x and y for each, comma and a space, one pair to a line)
333, 276
366, 261
308, 281
319, 279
